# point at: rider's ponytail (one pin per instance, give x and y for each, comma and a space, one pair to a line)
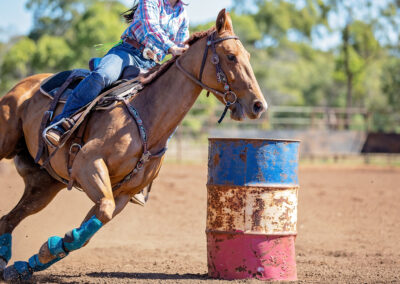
128, 14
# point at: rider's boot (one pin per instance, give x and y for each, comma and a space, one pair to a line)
55, 132
53, 135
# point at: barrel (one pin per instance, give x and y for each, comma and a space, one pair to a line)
252, 208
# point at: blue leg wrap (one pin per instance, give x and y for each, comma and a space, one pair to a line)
56, 247
5, 247
36, 265
78, 237
23, 270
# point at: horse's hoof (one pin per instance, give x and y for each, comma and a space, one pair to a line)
139, 199
19, 271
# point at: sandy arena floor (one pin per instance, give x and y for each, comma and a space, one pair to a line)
349, 229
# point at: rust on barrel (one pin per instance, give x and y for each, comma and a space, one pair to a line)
254, 210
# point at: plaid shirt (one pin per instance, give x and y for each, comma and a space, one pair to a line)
159, 26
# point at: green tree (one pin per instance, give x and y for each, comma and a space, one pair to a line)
101, 23
54, 17
363, 21
391, 84
17, 63
246, 28
52, 54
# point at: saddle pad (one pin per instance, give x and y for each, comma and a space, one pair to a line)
50, 86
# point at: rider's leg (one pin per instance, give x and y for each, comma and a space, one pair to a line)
108, 71
97, 187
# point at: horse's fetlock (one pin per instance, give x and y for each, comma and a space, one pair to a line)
52, 249
45, 255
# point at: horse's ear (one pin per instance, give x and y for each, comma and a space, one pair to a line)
224, 22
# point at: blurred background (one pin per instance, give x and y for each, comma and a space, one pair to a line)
329, 69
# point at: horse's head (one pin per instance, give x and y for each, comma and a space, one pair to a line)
235, 63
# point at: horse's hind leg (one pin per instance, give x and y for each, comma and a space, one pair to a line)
94, 178
40, 189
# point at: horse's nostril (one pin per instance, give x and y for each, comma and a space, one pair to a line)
258, 107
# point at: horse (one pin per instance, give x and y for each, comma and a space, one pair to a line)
112, 145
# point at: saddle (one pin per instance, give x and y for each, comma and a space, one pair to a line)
59, 87
51, 86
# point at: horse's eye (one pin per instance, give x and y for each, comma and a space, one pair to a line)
231, 57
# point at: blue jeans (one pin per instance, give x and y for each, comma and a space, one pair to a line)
107, 72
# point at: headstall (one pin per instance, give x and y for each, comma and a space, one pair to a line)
228, 96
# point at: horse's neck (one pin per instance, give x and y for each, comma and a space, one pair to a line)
164, 104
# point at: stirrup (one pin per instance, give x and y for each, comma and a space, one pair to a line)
47, 141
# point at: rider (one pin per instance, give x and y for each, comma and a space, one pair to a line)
157, 28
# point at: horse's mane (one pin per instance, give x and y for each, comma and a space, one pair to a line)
156, 72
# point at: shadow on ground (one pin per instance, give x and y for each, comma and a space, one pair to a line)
148, 276
118, 275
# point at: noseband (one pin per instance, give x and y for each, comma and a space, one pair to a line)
229, 97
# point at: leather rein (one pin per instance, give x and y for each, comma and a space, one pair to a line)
228, 97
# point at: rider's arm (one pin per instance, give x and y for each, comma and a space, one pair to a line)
183, 32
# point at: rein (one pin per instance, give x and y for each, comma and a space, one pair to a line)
228, 97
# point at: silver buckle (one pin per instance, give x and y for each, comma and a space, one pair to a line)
145, 157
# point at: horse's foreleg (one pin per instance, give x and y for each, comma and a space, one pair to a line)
95, 180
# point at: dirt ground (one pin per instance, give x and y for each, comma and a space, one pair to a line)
348, 229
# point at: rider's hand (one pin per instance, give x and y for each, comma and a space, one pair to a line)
176, 50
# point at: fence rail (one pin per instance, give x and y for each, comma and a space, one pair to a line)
280, 117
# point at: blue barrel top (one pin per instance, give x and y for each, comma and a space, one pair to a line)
253, 162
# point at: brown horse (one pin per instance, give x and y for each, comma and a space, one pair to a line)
112, 146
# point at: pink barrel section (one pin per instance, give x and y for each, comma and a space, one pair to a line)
252, 208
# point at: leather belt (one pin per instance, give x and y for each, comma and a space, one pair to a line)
147, 52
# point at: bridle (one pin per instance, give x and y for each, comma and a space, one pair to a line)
228, 97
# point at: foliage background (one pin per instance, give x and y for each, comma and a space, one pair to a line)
286, 39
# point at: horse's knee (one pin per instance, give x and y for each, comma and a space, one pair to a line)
106, 210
